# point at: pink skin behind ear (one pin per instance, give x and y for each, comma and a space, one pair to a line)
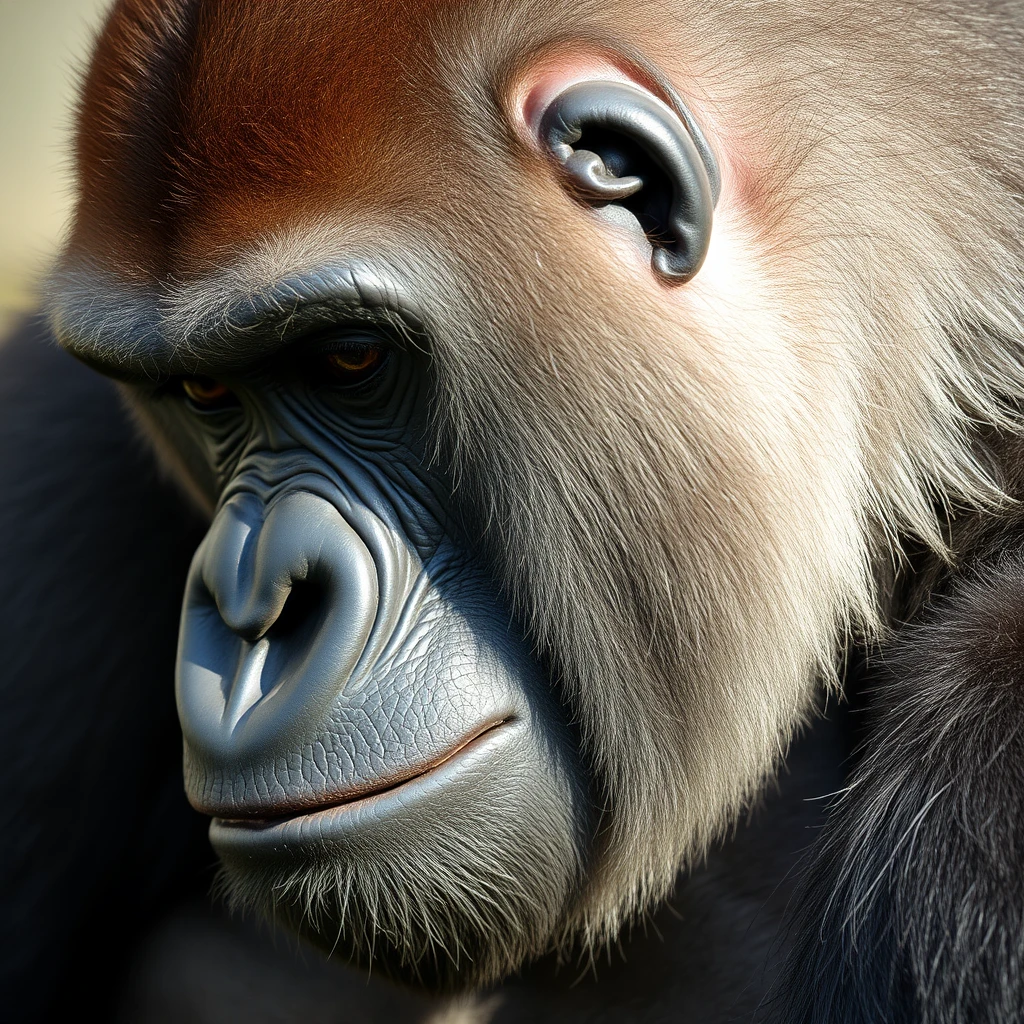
553, 74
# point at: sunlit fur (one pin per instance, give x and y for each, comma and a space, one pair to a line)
696, 498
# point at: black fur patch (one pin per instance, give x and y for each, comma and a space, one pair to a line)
913, 905
93, 551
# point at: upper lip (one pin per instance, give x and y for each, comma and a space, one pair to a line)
276, 813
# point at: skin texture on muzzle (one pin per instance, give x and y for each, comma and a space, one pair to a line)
348, 682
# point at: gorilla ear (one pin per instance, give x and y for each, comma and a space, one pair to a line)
624, 150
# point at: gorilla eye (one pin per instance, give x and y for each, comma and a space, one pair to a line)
352, 361
206, 394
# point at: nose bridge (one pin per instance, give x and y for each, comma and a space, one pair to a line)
245, 668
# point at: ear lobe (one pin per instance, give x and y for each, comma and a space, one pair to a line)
618, 144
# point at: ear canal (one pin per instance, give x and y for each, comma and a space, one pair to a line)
618, 144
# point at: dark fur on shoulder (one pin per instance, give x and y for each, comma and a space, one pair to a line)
93, 550
913, 905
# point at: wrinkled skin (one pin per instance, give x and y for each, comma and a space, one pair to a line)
339, 648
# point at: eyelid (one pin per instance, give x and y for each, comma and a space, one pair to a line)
347, 342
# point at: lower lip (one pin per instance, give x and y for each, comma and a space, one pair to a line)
288, 835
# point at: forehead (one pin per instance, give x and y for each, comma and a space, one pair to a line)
204, 123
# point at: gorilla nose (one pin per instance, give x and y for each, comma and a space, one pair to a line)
280, 604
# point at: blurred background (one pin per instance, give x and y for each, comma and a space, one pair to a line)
43, 44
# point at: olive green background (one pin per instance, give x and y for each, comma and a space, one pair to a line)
43, 45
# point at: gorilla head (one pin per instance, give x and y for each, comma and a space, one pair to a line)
538, 503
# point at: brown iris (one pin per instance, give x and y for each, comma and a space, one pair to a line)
207, 393
354, 363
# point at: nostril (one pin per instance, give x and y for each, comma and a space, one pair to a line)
293, 634
302, 611
280, 606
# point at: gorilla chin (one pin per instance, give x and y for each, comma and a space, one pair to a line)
451, 879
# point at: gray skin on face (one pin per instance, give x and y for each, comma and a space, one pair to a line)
351, 688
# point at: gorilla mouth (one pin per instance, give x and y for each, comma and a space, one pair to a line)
369, 795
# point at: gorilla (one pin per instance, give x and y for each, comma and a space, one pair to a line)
587, 437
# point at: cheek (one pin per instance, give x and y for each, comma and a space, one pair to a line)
731, 330
741, 322
764, 376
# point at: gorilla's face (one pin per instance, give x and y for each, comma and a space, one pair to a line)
379, 745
